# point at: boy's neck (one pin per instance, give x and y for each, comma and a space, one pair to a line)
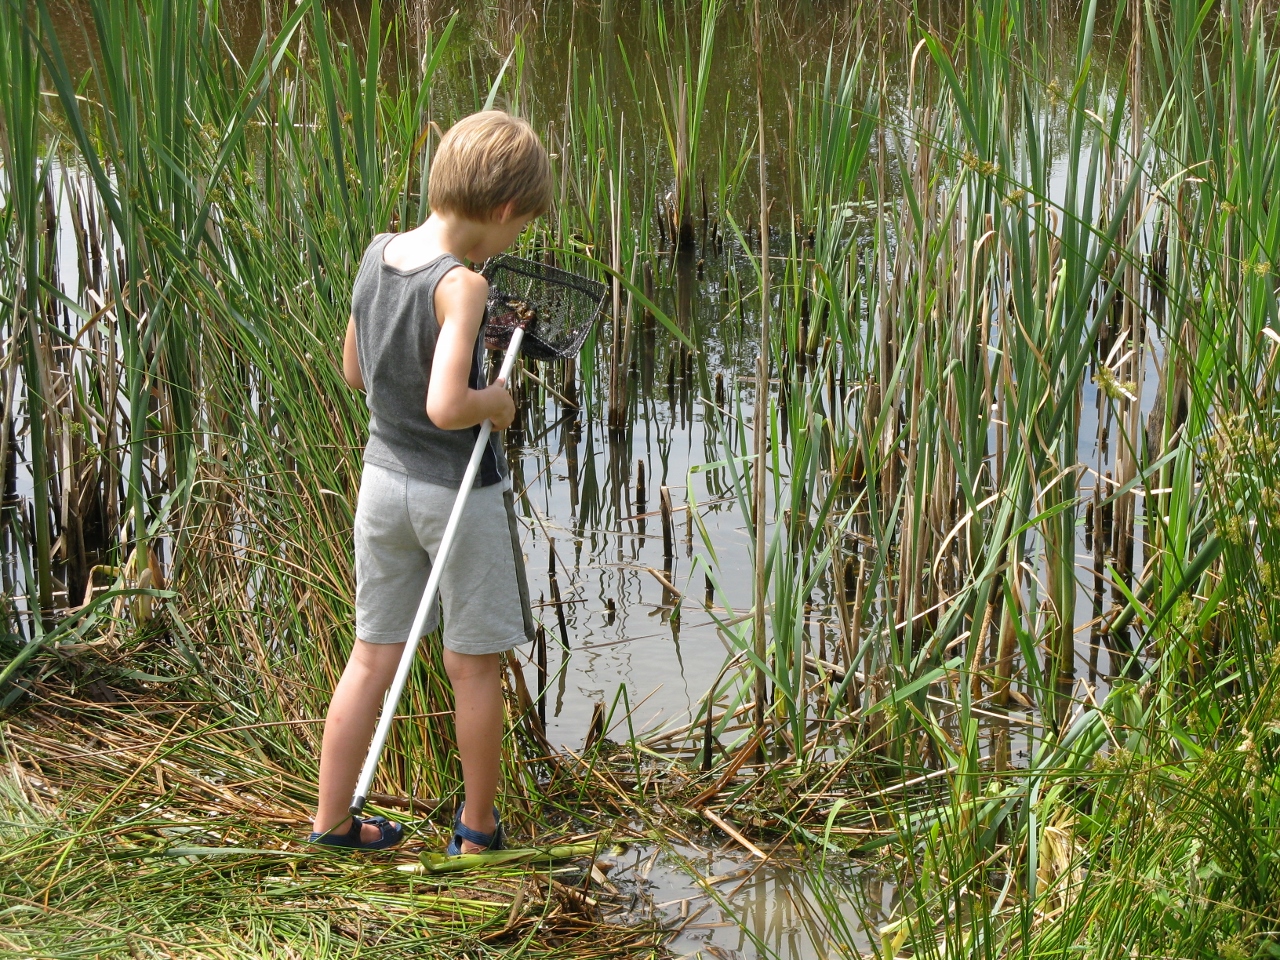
464, 238
451, 234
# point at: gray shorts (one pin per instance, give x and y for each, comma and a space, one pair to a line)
399, 523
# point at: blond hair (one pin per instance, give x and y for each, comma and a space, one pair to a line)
486, 161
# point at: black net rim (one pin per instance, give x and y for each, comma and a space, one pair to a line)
545, 272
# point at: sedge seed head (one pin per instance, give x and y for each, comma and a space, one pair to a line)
1234, 948
1115, 388
1183, 617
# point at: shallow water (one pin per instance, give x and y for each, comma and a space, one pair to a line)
767, 910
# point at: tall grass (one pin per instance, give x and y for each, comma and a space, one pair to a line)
982, 238
1051, 233
219, 208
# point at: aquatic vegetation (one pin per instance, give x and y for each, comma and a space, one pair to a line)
975, 317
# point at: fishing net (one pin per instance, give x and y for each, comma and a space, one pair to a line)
556, 308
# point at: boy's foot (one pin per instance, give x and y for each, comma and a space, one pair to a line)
467, 840
374, 833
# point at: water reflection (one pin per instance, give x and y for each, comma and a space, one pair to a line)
718, 906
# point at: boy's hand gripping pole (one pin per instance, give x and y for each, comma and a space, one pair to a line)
392, 698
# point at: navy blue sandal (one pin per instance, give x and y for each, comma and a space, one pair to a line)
389, 835
461, 832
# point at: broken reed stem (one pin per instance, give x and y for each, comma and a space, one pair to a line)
668, 534
688, 524
666, 583
735, 834
555, 592
541, 643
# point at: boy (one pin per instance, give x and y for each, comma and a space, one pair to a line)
413, 345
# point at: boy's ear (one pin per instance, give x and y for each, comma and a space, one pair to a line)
507, 212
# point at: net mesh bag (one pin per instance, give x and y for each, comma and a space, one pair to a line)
556, 308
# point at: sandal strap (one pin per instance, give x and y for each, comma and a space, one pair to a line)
389, 834
348, 836
463, 832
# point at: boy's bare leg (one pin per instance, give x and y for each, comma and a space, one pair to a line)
477, 693
348, 728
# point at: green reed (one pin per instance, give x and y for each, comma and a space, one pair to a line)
212, 354
1143, 240
957, 263
26, 172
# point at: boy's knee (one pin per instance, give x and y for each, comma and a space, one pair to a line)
375, 661
463, 667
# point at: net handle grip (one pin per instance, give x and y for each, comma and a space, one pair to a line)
392, 698
509, 359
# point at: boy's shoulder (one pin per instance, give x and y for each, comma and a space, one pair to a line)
464, 286
467, 277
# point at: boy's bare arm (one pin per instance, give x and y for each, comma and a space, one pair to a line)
350, 360
451, 403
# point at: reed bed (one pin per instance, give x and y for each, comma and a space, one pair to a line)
999, 287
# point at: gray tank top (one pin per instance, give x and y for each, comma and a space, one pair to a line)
396, 329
